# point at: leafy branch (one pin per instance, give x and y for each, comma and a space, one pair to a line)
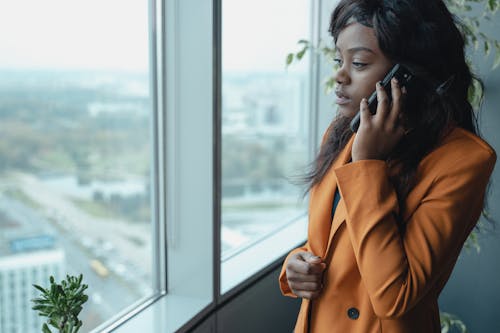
61, 304
449, 321
471, 23
475, 38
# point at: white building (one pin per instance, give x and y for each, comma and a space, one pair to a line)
18, 273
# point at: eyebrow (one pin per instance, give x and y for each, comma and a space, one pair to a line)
357, 49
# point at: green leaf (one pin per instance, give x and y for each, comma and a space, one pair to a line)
289, 59
301, 54
486, 48
303, 41
492, 5
449, 321
329, 84
486, 214
78, 325
40, 288
472, 242
39, 307
45, 329
38, 301
496, 62
60, 290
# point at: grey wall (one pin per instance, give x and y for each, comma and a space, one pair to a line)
473, 291
261, 308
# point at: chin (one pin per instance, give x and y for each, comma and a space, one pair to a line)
347, 111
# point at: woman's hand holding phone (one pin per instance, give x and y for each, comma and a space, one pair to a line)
379, 133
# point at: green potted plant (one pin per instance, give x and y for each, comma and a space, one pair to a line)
61, 304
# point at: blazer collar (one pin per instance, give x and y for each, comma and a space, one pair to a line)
320, 204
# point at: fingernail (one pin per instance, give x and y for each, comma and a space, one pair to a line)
395, 80
379, 84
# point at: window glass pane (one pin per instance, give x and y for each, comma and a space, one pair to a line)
265, 122
75, 155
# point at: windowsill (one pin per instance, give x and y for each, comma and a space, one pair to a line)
167, 314
170, 312
248, 262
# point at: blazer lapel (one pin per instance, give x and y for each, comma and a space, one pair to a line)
338, 219
320, 205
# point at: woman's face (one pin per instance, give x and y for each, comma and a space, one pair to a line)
361, 66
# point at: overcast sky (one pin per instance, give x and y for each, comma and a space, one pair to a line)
112, 34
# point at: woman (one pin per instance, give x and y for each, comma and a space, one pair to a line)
390, 206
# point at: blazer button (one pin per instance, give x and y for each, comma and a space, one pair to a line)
353, 313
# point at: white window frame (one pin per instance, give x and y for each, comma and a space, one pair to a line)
186, 39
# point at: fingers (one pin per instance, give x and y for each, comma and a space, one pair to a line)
383, 102
298, 277
306, 289
364, 112
304, 273
379, 133
299, 265
308, 286
394, 114
307, 294
309, 257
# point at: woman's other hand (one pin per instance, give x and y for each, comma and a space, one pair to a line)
378, 134
304, 272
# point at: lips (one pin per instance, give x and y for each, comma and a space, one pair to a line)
342, 98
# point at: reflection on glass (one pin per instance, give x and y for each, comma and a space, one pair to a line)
264, 119
75, 156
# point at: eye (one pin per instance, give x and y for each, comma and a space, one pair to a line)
358, 65
337, 61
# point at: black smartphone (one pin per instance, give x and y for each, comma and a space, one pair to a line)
401, 73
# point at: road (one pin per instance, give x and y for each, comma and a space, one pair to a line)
83, 238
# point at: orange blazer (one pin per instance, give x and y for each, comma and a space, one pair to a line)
376, 279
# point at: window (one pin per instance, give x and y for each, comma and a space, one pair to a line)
76, 154
109, 130
265, 127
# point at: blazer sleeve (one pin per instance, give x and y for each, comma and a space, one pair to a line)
399, 270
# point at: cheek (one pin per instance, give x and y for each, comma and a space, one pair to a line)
366, 88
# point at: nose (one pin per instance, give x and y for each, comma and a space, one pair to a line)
341, 76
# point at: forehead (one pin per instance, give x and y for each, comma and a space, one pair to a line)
357, 35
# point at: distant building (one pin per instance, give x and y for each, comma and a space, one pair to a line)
265, 105
18, 273
28, 255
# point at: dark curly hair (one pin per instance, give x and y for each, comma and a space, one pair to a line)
425, 37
